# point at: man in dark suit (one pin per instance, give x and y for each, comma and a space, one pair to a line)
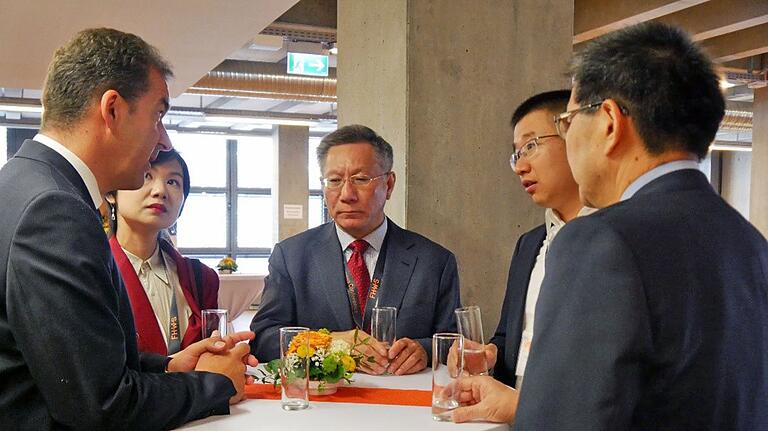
662, 321
321, 279
68, 351
540, 161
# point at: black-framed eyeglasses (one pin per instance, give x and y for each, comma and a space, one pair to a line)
528, 149
563, 120
333, 183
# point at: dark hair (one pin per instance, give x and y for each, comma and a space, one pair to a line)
352, 134
666, 82
94, 61
163, 157
553, 101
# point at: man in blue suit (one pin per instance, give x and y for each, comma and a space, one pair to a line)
662, 321
333, 275
69, 357
540, 161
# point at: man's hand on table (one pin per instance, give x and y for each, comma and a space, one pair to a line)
230, 363
375, 360
186, 360
406, 357
484, 398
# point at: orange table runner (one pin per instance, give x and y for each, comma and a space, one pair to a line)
352, 394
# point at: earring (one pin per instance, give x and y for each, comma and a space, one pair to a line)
114, 217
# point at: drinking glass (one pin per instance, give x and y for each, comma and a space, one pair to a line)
384, 326
447, 363
215, 319
470, 325
294, 370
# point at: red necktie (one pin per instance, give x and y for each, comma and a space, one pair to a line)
359, 271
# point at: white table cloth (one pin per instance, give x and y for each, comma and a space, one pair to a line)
257, 414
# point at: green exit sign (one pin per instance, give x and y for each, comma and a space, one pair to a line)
307, 64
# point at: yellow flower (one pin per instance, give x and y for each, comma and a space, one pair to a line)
316, 341
348, 362
304, 351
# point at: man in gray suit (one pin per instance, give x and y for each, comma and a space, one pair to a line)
68, 349
653, 313
333, 275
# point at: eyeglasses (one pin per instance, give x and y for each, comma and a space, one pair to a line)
333, 183
563, 121
528, 149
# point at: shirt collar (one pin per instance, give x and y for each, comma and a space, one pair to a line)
658, 171
82, 169
156, 264
375, 239
553, 222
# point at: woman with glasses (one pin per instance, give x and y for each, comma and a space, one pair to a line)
167, 291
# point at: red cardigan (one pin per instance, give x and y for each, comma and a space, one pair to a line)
148, 332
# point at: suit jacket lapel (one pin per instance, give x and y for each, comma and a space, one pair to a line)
520, 278
327, 264
400, 262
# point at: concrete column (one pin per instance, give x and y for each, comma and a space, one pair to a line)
291, 185
439, 80
758, 201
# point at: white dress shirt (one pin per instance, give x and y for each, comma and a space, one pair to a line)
553, 224
85, 173
374, 239
159, 285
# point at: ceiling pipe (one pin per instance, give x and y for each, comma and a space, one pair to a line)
235, 78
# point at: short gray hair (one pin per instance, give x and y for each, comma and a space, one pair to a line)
352, 134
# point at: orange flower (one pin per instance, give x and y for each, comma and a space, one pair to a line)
316, 340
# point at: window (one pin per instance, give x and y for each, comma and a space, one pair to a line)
229, 208
316, 214
3, 146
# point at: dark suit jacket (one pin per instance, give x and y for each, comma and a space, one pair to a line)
510, 328
68, 355
653, 315
306, 287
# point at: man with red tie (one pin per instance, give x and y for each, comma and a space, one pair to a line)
333, 275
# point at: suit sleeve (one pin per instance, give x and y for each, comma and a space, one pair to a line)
277, 309
448, 300
591, 333
500, 336
65, 313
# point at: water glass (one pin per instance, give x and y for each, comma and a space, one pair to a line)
294, 371
447, 363
470, 325
384, 325
215, 319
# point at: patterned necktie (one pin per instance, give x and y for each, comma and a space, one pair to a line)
359, 271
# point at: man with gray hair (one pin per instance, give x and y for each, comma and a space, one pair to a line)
68, 343
662, 321
333, 275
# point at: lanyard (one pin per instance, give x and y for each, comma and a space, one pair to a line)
174, 340
362, 320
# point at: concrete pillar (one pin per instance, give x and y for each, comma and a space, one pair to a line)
291, 185
758, 201
439, 80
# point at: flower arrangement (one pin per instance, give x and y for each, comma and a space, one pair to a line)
330, 361
227, 265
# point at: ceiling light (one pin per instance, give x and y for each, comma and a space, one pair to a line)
730, 147
253, 120
18, 107
725, 84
